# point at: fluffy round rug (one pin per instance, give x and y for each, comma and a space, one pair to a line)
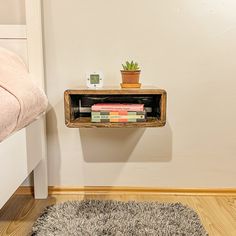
95, 217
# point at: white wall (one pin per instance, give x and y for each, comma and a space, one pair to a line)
185, 46
12, 12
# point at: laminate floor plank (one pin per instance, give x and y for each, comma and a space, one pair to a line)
217, 213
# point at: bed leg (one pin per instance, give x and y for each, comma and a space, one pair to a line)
41, 172
37, 153
40, 180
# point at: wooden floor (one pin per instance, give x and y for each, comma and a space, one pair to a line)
217, 213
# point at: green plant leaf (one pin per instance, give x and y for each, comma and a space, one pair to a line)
130, 66
127, 65
124, 67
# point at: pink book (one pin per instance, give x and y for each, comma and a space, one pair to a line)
117, 107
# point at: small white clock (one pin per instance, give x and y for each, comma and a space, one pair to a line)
94, 79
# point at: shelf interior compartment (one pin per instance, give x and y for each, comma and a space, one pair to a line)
81, 103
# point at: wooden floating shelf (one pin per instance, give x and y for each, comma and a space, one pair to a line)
77, 103
85, 122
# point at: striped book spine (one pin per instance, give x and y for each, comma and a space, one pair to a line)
116, 120
122, 116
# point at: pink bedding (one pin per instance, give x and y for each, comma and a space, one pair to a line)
21, 100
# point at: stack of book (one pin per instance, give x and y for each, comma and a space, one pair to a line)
118, 112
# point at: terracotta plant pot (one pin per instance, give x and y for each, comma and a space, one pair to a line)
130, 77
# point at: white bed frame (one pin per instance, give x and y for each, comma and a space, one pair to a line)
25, 151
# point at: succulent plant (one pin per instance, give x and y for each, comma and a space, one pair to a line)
130, 66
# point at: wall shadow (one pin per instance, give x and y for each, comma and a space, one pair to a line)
127, 144
53, 147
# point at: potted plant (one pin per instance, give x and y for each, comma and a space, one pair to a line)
130, 73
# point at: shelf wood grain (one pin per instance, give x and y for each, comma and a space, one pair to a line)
85, 122
114, 90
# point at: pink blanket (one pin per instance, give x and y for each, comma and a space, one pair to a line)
21, 100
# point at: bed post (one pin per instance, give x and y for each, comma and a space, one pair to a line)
36, 133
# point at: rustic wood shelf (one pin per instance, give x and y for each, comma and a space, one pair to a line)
77, 103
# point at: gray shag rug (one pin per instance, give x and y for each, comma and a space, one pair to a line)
95, 217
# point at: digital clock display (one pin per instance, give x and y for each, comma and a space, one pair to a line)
94, 78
